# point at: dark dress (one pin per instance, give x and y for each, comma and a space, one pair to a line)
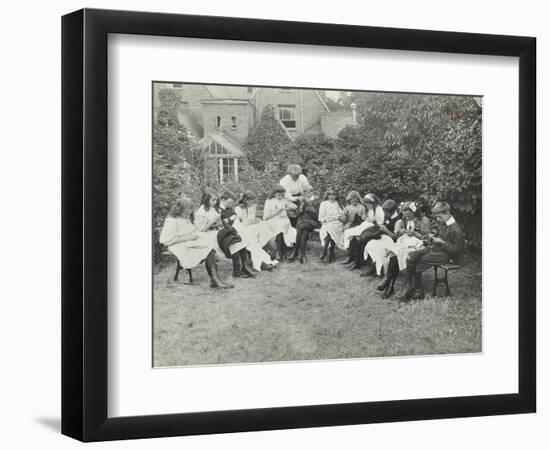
448, 252
391, 221
306, 218
228, 235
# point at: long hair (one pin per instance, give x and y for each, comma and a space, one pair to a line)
207, 196
245, 198
182, 205
371, 198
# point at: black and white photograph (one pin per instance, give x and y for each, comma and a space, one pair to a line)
301, 223
275, 225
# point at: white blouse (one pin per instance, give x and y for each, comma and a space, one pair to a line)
294, 187
174, 228
246, 215
203, 218
377, 217
273, 205
330, 211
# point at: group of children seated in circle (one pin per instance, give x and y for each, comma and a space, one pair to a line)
379, 238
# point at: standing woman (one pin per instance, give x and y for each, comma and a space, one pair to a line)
331, 233
276, 217
190, 246
295, 185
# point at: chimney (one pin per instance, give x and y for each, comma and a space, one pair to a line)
353, 107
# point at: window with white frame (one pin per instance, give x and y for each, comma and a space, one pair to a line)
227, 165
287, 115
233, 122
229, 170
218, 122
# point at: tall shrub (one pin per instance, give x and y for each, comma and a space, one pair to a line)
180, 165
266, 141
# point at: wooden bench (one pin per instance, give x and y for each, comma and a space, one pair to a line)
445, 279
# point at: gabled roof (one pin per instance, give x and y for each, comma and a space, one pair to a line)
233, 148
321, 100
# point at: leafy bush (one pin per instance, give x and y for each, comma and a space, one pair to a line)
404, 146
411, 145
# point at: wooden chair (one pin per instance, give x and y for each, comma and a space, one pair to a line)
445, 279
179, 269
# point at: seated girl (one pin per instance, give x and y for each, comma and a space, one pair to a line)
189, 245
230, 241
376, 249
354, 215
306, 222
276, 217
331, 233
207, 216
410, 234
255, 232
247, 224
358, 237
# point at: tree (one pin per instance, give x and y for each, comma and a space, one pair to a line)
266, 141
408, 145
341, 103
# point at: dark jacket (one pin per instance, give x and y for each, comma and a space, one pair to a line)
454, 241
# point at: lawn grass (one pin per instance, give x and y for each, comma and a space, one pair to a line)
311, 311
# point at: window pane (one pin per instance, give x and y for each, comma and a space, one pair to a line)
228, 169
287, 114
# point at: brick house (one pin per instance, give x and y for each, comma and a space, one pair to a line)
221, 117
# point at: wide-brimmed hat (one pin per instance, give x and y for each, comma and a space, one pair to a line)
409, 206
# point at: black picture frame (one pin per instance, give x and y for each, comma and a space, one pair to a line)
84, 224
